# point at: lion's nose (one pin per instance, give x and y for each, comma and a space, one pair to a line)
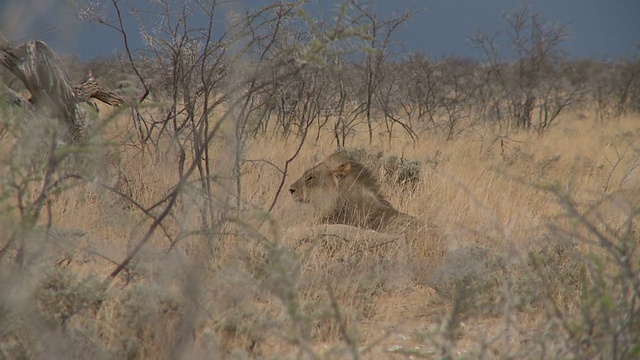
292, 191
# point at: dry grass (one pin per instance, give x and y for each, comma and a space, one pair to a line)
256, 290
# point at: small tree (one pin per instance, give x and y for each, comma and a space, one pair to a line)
534, 81
381, 33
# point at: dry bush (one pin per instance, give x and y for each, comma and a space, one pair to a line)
254, 288
166, 234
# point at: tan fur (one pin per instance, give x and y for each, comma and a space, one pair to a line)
343, 191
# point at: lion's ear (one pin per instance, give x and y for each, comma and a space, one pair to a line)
342, 170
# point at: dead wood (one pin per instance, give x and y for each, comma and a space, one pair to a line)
44, 76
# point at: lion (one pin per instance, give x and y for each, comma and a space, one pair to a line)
343, 191
354, 217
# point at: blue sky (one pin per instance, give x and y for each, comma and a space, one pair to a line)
601, 29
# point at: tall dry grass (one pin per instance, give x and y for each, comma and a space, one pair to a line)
254, 289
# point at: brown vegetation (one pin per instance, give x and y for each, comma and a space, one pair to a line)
171, 237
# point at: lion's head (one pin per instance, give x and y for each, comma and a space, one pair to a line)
337, 176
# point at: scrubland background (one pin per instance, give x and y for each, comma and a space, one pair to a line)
168, 231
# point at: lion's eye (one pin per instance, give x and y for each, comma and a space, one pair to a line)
309, 179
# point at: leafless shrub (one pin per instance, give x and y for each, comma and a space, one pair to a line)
534, 83
208, 86
613, 87
204, 271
